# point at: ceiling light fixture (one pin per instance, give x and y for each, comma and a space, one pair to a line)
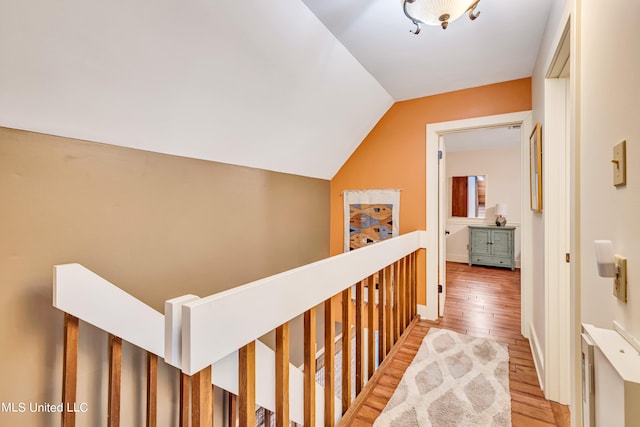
438, 12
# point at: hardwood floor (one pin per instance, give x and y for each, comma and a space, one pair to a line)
483, 302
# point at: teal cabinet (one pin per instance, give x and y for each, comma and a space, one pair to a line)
492, 246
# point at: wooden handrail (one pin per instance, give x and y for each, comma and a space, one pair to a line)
329, 359
282, 375
232, 410
152, 390
382, 302
396, 301
388, 317
346, 349
201, 399
310, 367
371, 330
185, 390
247, 385
359, 336
69, 368
115, 379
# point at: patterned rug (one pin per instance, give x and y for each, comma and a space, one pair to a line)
454, 380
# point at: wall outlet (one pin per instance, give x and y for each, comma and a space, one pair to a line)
620, 281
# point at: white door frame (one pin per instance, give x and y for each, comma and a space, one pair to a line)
556, 185
442, 224
434, 131
557, 161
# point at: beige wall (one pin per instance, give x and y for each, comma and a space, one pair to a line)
605, 65
156, 225
502, 170
609, 102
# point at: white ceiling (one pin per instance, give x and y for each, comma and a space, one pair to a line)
252, 83
483, 139
500, 45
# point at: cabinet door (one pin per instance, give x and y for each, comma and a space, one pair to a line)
480, 242
501, 243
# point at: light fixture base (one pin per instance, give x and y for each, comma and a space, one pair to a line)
444, 18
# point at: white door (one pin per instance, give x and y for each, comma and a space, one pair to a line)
442, 222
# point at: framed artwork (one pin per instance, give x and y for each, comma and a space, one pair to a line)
370, 216
535, 168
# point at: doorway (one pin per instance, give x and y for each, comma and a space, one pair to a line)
436, 220
479, 177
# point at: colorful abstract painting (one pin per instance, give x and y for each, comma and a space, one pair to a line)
370, 216
369, 224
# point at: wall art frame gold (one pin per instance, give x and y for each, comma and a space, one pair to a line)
535, 165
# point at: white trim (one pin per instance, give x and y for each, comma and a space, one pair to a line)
173, 329
618, 351
422, 311
442, 225
556, 185
82, 293
635, 343
287, 295
92, 299
538, 356
461, 258
434, 130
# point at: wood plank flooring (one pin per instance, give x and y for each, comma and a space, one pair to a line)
483, 302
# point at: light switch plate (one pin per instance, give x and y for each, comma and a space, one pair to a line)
620, 282
620, 164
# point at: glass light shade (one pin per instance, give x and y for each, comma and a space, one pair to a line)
430, 11
501, 209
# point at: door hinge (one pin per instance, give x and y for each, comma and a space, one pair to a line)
567, 257
439, 154
439, 289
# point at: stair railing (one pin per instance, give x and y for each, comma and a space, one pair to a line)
214, 340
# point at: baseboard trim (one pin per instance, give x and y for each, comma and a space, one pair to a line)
538, 357
461, 258
464, 259
426, 313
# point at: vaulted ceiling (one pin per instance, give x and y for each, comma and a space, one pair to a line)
270, 85
500, 45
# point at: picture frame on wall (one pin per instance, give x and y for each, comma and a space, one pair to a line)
535, 168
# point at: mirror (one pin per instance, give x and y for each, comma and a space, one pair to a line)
468, 196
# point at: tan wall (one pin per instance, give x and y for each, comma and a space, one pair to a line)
156, 225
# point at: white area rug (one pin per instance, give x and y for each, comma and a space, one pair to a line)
454, 380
